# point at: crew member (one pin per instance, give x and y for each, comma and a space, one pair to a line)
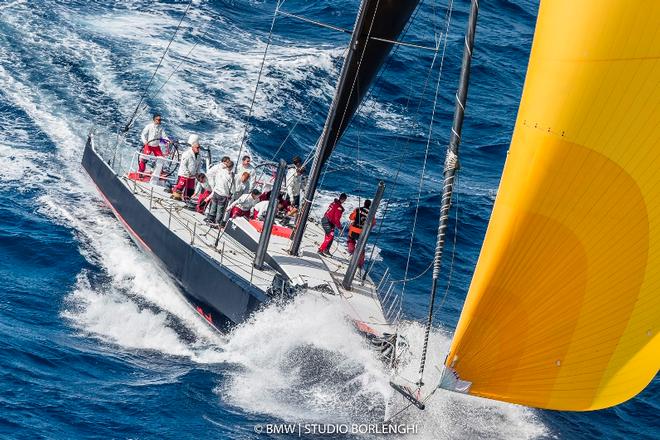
241, 186
241, 207
357, 218
202, 191
217, 168
188, 169
259, 210
284, 209
245, 166
294, 177
219, 196
330, 221
151, 136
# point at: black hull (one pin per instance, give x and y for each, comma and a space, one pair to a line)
221, 297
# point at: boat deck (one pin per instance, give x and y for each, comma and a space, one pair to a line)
320, 275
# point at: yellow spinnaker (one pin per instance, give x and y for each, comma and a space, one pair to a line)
564, 307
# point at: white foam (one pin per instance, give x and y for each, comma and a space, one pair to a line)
22, 166
131, 271
302, 362
114, 318
384, 115
450, 415
12, 4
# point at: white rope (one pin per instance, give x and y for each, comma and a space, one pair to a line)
451, 161
407, 144
256, 89
428, 144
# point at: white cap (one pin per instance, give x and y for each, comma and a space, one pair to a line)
193, 139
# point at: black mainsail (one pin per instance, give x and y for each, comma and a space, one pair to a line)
379, 23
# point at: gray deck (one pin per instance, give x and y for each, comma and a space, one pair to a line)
321, 275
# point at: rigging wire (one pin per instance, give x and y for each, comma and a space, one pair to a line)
453, 250
408, 140
407, 145
348, 31
256, 88
318, 157
494, 142
160, 62
427, 333
444, 297
428, 143
314, 22
368, 95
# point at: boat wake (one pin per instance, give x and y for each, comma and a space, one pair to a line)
296, 362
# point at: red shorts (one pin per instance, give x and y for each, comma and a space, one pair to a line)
201, 201
185, 183
238, 212
149, 149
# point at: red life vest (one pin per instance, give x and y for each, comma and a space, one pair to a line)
334, 213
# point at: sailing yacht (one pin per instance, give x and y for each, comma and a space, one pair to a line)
563, 311
228, 274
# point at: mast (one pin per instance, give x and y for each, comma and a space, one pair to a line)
364, 236
267, 229
381, 19
451, 167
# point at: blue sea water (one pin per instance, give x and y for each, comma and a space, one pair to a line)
96, 343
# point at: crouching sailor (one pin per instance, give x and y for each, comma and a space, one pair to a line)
330, 221
357, 218
202, 191
260, 208
220, 195
241, 206
151, 136
188, 169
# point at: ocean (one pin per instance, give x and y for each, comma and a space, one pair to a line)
96, 342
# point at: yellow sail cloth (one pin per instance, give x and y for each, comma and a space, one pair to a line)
564, 307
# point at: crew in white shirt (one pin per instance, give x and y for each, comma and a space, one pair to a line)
259, 210
241, 207
151, 136
188, 169
245, 166
217, 168
220, 195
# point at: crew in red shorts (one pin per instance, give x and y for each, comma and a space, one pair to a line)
188, 169
151, 136
202, 191
241, 206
